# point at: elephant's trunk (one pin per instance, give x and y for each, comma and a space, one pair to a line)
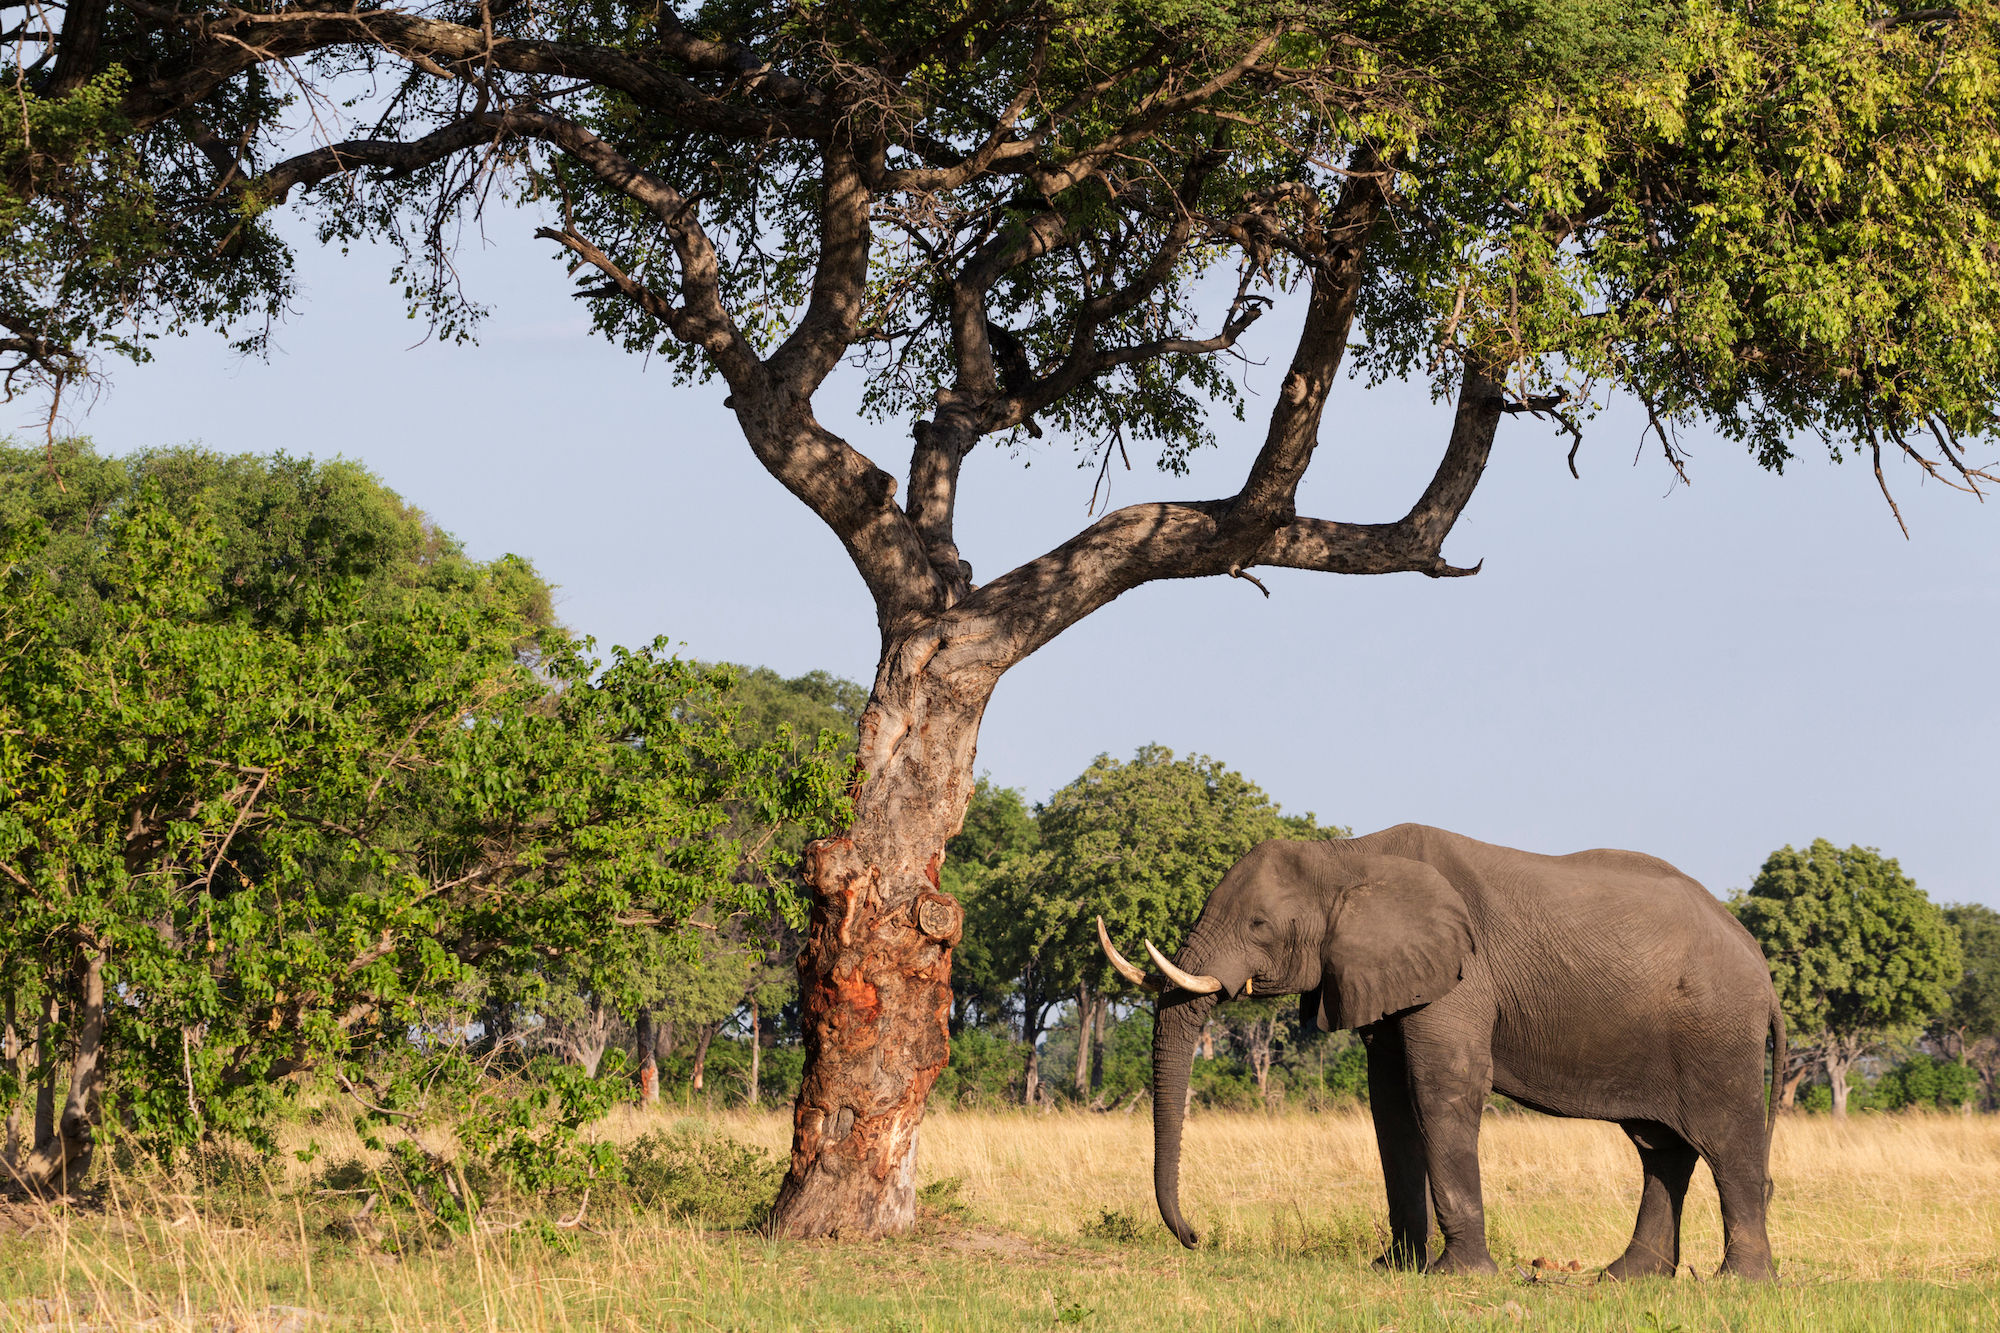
1175, 1031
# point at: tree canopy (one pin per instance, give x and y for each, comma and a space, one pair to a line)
272, 819
1060, 215
1857, 951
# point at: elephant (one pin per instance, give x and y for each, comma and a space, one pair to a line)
1603, 985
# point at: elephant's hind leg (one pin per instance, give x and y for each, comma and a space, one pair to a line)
1401, 1147
1667, 1161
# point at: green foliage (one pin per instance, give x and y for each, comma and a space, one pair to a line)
944, 1199
1926, 1081
1855, 946
697, 1173
531, 1140
104, 245
1115, 1225
985, 968
985, 1069
1974, 1010
296, 806
1141, 843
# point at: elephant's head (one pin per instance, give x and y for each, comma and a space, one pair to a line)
1357, 936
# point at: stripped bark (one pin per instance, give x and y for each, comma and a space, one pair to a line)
646, 1055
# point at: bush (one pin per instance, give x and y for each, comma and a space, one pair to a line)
986, 1069
782, 1071
943, 1200
1113, 1224
1925, 1081
699, 1174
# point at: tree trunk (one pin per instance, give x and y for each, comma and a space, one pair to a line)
1031, 1080
45, 1055
645, 1043
701, 1045
590, 1037
875, 972
1100, 1035
1086, 1023
63, 1158
756, 1051
11, 1050
1261, 1036
1795, 1076
1838, 1060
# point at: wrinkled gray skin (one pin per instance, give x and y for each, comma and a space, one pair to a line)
1604, 985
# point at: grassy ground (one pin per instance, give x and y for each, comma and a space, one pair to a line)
1883, 1223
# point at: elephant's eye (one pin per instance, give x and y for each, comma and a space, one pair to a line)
1257, 924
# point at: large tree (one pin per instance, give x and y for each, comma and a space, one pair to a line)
280, 770
1969, 1029
1064, 215
1857, 951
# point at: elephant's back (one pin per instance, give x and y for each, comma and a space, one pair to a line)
1605, 904
1621, 987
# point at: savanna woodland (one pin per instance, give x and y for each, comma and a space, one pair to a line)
1777, 220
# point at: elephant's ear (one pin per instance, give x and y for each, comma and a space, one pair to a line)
1400, 938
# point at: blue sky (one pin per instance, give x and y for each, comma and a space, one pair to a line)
1703, 673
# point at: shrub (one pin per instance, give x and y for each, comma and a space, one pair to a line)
696, 1172
1113, 1224
1925, 1081
782, 1070
986, 1069
943, 1199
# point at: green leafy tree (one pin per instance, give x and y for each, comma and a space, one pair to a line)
1924, 1081
1776, 218
236, 847
999, 824
1140, 843
1969, 1029
1857, 951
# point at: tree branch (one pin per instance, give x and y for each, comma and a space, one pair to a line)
1009, 618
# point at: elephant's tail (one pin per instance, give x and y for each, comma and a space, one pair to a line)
1779, 1058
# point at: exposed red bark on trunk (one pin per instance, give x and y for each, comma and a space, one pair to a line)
875, 973
646, 1043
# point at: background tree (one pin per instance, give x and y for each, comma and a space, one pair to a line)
1857, 951
1142, 844
1061, 215
270, 820
1139, 842
1969, 1027
987, 965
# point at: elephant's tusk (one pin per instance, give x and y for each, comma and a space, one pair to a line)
1248, 982
1123, 968
1187, 981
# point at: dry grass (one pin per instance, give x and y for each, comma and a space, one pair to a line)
1876, 1197
1884, 1222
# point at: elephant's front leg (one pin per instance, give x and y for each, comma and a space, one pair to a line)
1449, 1049
1401, 1147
